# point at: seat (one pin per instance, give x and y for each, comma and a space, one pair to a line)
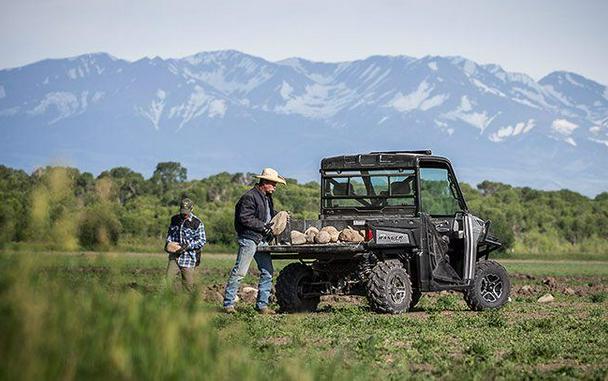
343, 189
400, 188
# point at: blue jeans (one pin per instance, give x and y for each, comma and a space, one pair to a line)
247, 252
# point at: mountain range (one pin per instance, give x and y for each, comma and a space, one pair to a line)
230, 111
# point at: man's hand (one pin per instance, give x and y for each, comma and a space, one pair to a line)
173, 248
268, 229
184, 247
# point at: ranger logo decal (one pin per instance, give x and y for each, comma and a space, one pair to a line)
384, 237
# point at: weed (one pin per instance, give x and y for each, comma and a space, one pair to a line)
478, 351
542, 350
599, 297
447, 302
495, 319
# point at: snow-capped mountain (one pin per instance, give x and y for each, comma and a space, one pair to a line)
226, 110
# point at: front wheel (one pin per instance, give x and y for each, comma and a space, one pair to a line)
490, 288
293, 286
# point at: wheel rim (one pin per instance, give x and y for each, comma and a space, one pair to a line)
300, 286
491, 288
397, 290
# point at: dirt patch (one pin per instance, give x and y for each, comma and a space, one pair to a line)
550, 282
351, 299
213, 293
388, 359
565, 285
79, 269
398, 344
562, 364
418, 314
145, 288
422, 368
148, 271
438, 294
522, 276
275, 341
584, 290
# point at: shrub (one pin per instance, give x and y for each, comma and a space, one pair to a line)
99, 228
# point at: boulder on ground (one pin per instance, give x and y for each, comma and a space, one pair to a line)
311, 233
547, 298
550, 282
323, 237
297, 238
333, 233
526, 290
569, 291
249, 294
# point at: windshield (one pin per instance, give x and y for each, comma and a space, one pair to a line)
369, 189
438, 191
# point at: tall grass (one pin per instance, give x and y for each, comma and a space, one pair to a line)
51, 330
549, 246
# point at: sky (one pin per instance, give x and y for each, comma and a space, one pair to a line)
532, 37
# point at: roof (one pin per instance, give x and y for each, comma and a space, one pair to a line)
387, 159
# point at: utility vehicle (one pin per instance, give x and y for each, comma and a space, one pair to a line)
419, 237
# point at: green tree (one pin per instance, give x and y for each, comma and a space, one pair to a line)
167, 175
127, 183
15, 185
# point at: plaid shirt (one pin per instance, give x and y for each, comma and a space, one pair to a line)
190, 234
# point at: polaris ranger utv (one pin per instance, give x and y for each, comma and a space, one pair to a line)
419, 237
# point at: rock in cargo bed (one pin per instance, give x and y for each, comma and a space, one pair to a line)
284, 249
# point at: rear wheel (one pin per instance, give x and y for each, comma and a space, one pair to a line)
491, 287
388, 288
292, 286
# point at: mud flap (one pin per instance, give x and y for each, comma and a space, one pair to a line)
441, 269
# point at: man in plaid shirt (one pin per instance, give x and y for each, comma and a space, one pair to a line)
188, 232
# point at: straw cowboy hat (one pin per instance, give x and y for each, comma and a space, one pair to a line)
271, 175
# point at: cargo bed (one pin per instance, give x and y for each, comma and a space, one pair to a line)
285, 250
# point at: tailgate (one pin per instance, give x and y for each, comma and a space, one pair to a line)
314, 251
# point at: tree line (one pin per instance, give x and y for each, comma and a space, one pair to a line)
65, 209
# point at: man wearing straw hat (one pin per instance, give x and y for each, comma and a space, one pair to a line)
253, 221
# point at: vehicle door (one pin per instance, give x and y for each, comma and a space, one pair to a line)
441, 199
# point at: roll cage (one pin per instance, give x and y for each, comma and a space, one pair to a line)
337, 175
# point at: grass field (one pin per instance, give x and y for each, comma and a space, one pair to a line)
110, 316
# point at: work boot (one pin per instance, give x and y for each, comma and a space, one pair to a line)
266, 311
230, 310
